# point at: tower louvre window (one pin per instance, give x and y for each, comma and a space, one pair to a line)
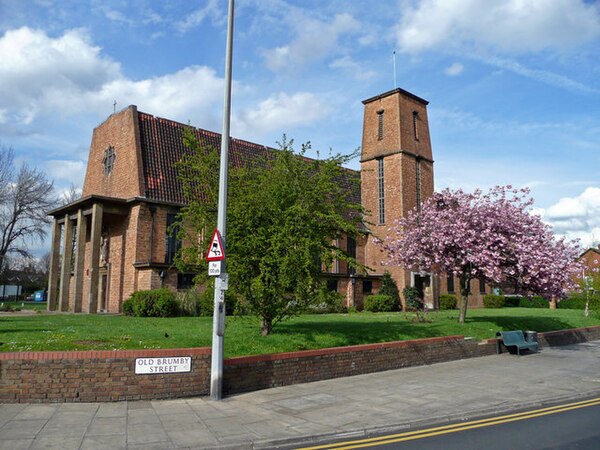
416, 125
380, 125
381, 185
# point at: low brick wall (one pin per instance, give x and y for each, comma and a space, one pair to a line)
97, 376
567, 337
249, 373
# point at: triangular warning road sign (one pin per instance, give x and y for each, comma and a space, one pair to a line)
216, 251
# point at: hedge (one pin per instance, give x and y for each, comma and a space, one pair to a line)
447, 301
578, 300
493, 301
380, 303
152, 303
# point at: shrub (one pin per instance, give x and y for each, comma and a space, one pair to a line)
512, 301
534, 302
327, 302
127, 307
188, 301
152, 303
412, 299
380, 303
389, 287
493, 301
447, 301
577, 301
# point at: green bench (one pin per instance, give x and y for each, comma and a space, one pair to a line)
516, 339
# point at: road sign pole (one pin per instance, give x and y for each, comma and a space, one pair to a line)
216, 369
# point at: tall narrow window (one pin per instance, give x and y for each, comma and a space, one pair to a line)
351, 253
481, 286
418, 181
416, 125
381, 184
109, 160
172, 243
380, 125
450, 283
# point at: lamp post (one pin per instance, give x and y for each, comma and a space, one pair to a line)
216, 368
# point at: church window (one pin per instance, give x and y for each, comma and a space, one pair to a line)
352, 253
416, 125
172, 243
381, 184
185, 280
380, 125
450, 283
109, 160
418, 181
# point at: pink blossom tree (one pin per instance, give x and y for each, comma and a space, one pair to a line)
490, 236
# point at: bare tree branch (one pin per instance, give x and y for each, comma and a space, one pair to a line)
24, 203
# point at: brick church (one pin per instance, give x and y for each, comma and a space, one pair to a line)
113, 241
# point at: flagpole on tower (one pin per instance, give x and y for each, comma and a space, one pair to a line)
394, 59
221, 281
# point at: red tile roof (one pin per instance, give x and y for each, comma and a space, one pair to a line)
162, 146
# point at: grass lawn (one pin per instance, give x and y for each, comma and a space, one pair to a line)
22, 305
242, 335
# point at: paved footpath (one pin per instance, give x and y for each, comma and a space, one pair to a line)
303, 414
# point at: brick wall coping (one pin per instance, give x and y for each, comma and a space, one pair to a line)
107, 354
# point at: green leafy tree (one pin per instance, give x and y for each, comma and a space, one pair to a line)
284, 213
389, 287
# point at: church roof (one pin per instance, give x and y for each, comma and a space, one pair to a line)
162, 146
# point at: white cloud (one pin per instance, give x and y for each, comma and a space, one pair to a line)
510, 26
211, 11
314, 41
454, 69
280, 112
539, 75
43, 77
576, 217
72, 171
348, 64
36, 69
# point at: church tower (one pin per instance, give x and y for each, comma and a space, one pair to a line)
396, 174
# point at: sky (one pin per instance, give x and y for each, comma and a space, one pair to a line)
513, 85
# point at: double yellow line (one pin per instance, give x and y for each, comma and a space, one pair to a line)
429, 432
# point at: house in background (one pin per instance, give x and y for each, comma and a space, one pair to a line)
114, 240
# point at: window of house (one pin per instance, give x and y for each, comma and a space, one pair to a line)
351, 243
451, 283
379, 125
481, 286
185, 280
332, 285
367, 286
381, 184
109, 160
172, 243
416, 125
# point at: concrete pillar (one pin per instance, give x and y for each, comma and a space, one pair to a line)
65, 271
54, 263
95, 257
79, 261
